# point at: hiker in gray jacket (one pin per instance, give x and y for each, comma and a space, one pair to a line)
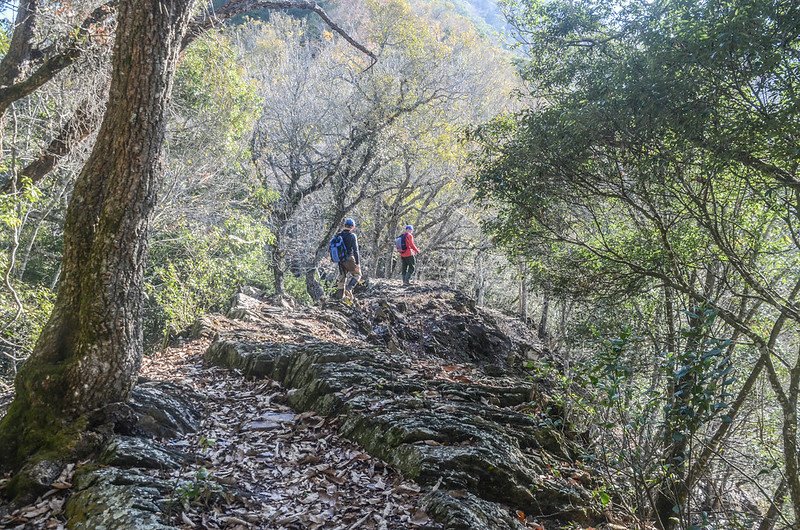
351, 264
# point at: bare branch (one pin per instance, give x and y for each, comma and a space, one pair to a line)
75, 130
55, 63
238, 7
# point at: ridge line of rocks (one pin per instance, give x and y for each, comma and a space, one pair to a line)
484, 464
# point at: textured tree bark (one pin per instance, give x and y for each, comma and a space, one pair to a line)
21, 45
542, 330
768, 522
90, 349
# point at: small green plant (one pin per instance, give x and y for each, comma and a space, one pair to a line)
206, 443
602, 497
197, 270
201, 490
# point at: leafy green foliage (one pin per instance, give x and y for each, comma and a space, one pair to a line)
651, 172
5, 40
212, 87
37, 302
702, 375
195, 272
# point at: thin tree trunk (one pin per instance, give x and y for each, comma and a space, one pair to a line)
673, 498
278, 257
523, 291
543, 321
21, 45
379, 214
790, 443
768, 523
670, 501
313, 286
480, 280
90, 350
390, 261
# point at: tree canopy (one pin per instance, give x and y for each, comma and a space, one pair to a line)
657, 161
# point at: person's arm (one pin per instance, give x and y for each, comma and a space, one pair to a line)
411, 244
355, 250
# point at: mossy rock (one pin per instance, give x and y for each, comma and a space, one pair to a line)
467, 439
116, 499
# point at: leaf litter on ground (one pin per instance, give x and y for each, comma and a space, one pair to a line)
261, 466
277, 469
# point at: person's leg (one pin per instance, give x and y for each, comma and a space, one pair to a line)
405, 270
355, 276
348, 294
340, 282
412, 266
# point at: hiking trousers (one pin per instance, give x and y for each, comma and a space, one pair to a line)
348, 267
409, 266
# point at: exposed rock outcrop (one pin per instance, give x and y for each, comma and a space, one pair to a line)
433, 320
485, 450
164, 410
117, 491
112, 497
420, 378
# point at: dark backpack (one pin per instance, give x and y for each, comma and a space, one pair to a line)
338, 249
400, 243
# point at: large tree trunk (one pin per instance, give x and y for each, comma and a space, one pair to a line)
90, 350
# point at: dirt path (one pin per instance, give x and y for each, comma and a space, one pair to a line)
287, 471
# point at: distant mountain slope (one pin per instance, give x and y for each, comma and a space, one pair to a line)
485, 14
482, 11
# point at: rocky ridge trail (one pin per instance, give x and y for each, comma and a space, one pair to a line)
406, 410
429, 383
203, 447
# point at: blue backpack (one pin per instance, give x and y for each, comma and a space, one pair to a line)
338, 249
400, 243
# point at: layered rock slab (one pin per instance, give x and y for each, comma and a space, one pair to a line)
117, 492
484, 463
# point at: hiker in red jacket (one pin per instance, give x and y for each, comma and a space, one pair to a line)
408, 253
